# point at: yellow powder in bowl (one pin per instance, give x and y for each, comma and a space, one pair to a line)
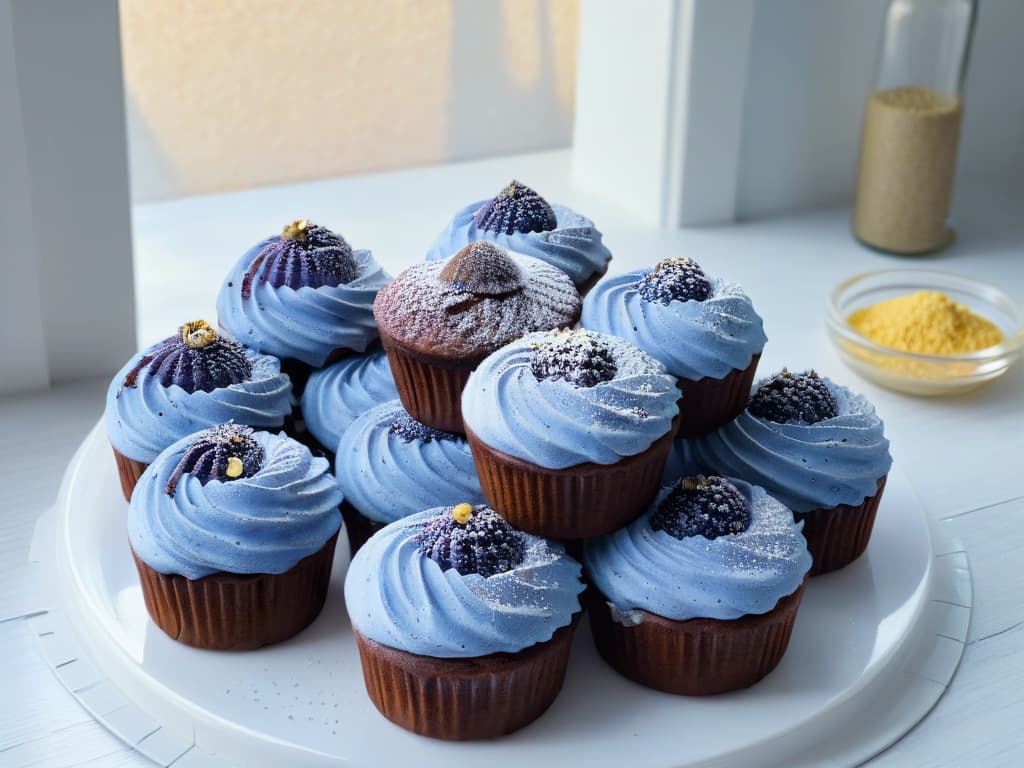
925, 322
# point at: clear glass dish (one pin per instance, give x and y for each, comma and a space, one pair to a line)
919, 374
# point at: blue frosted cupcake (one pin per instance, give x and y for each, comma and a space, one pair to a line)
304, 295
233, 533
337, 395
699, 595
456, 612
704, 330
391, 466
189, 381
521, 221
817, 447
570, 431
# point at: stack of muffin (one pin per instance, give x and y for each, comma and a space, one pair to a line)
503, 422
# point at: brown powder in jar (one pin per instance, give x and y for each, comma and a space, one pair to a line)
907, 162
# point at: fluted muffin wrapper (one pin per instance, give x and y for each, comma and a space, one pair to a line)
576, 502
696, 657
430, 390
836, 536
128, 472
709, 403
226, 611
481, 697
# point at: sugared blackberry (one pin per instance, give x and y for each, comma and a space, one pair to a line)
472, 540
580, 357
674, 280
702, 506
517, 208
407, 428
793, 398
306, 255
225, 452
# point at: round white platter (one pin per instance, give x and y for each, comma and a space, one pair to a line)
868, 658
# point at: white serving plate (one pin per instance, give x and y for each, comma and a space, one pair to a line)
862, 638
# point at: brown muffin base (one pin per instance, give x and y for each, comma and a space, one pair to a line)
128, 472
708, 403
698, 657
462, 699
836, 536
573, 503
226, 611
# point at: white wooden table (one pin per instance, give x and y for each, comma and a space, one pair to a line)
963, 456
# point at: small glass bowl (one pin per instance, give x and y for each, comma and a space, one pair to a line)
914, 373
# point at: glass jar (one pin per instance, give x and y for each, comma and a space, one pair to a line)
912, 127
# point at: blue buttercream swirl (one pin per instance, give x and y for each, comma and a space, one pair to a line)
573, 246
265, 523
727, 577
402, 599
337, 395
805, 466
556, 424
305, 323
144, 419
693, 339
387, 477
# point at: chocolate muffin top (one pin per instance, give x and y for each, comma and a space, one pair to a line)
478, 300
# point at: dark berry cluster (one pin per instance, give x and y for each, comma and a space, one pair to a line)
674, 280
472, 540
306, 255
517, 208
196, 359
225, 452
407, 428
793, 398
483, 269
580, 357
702, 506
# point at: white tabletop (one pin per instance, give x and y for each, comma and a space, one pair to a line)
962, 455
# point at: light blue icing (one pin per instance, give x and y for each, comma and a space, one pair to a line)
693, 339
574, 246
304, 324
806, 466
680, 462
265, 523
556, 424
734, 575
386, 478
337, 395
143, 420
404, 600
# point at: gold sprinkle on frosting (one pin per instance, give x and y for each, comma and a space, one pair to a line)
235, 468
296, 230
198, 334
461, 513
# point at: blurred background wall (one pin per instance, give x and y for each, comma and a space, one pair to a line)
241, 93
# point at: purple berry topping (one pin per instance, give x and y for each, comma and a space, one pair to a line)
304, 255
517, 208
472, 540
674, 280
702, 506
580, 357
196, 359
793, 398
407, 428
226, 452
482, 269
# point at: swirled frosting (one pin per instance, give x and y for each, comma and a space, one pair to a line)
727, 577
303, 323
388, 471
264, 523
337, 395
145, 417
693, 339
805, 466
403, 599
556, 423
573, 246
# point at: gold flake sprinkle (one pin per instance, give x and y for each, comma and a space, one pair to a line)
198, 334
235, 467
461, 513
